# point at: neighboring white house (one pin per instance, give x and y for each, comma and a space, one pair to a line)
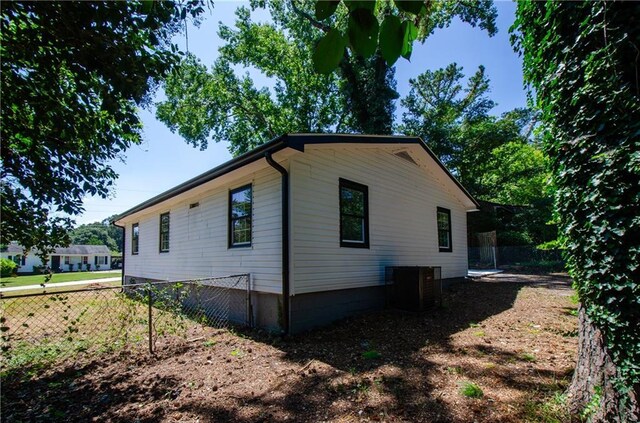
352, 205
65, 259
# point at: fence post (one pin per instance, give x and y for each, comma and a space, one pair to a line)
150, 319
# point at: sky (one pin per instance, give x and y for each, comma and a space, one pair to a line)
164, 160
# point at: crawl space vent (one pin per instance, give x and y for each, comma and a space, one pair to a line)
406, 156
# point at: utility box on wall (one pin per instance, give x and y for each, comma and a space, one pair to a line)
413, 288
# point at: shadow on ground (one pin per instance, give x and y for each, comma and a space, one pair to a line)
377, 367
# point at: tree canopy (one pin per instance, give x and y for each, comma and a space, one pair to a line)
73, 76
496, 158
219, 104
98, 233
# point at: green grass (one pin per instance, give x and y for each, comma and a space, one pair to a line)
471, 390
56, 278
53, 289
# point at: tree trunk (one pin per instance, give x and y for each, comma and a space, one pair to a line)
592, 392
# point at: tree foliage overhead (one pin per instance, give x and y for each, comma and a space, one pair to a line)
364, 26
73, 75
494, 157
582, 61
220, 104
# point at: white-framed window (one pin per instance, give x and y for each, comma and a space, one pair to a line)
85, 259
67, 259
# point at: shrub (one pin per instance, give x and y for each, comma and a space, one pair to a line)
7, 267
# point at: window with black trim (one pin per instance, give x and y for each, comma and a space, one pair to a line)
240, 212
444, 230
354, 214
135, 238
164, 232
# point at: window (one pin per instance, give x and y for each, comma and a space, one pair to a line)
66, 259
164, 232
240, 211
100, 260
354, 215
135, 238
85, 259
444, 230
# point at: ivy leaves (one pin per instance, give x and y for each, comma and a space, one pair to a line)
364, 34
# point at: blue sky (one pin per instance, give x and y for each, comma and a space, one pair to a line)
165, 160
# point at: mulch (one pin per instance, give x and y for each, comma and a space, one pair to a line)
512, 335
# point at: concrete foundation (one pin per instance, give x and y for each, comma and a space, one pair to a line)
307, 311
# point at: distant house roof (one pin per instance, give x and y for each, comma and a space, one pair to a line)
84, 250
296, 142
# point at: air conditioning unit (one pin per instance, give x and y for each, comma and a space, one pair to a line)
413, 288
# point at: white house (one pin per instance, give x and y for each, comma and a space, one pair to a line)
314, 218
65, 259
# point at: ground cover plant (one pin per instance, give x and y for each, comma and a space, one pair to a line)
421, 362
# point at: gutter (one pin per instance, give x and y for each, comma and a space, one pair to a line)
285, 240
124, 240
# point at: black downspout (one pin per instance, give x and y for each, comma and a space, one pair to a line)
124, 241
285, 240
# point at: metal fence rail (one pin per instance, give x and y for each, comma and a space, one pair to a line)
107, 318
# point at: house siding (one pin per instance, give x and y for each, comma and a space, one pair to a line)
403, 200
198, 237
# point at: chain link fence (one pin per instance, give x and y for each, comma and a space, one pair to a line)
44, 326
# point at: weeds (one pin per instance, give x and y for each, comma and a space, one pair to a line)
550, 410
471, 390
371, 355
528, 357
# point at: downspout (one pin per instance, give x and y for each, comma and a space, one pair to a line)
285, 239
124, 240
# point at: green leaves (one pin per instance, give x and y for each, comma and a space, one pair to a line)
391, 39
396, 39
325, 9
590, 114
409, 35
363, 32
415, 7
329, 52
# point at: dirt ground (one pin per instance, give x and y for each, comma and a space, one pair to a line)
512, 335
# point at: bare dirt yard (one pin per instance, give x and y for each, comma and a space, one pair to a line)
501, 349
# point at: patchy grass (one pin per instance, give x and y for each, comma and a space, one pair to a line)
471, 390
56, 278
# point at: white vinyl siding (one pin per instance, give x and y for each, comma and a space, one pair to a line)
403, 201
199, 236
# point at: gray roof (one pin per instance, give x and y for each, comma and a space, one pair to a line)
84, 250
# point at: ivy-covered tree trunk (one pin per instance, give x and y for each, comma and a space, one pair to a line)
593, 392
583, 60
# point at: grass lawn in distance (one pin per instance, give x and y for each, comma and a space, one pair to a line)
57, 277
